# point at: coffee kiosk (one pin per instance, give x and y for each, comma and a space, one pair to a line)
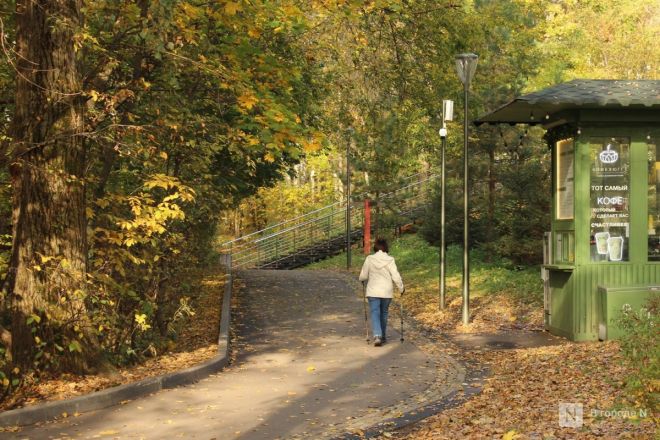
602, 253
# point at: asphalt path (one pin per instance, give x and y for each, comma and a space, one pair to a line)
302, 369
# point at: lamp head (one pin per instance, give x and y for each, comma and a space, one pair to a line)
443, 132
466, 65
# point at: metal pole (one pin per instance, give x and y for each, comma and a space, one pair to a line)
348, 205
367, 227
442, 223
466, 232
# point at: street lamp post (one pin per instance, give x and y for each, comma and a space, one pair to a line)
447, 115
348, 203
466, 65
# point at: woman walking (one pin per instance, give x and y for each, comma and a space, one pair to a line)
379, 271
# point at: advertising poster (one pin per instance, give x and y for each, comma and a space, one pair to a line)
610, 197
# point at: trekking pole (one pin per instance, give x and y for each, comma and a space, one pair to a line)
401, 313
364, 306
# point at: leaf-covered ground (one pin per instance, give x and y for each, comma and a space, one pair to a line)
521, 395
196, 343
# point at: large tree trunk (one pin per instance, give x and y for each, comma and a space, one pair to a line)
47, 166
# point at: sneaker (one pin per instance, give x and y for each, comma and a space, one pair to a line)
378, 342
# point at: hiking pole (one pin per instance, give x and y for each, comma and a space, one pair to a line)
401, 313
364, 306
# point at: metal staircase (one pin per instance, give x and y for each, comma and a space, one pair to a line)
322, 233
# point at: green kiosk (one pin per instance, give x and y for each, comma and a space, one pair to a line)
603, 251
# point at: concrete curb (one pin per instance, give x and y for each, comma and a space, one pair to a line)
115, 395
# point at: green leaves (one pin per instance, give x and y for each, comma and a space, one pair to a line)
33, 319
74, 346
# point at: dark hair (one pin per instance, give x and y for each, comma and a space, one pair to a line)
381, 245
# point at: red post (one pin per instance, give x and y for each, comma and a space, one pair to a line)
367, 227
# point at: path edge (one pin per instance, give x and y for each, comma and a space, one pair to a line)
134, 390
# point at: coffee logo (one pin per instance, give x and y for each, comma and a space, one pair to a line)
609, 156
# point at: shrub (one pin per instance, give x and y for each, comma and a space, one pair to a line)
642, 354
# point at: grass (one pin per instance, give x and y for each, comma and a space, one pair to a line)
501, 295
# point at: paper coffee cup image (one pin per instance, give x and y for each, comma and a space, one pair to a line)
601, 242
615, 248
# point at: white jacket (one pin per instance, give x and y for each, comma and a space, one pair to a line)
380, 270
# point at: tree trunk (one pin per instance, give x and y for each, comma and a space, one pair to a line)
47, 165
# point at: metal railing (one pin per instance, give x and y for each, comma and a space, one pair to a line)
321, 228
294, 240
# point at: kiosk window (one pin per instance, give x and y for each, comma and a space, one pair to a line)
610, 196
654, 200
564, 173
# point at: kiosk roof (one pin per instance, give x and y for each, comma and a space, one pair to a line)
574, 95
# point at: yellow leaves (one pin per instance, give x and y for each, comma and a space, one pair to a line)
136, 207
280, 137
254, 32
94, 95
191, 11
269, 157
167, 182
247, 101
291, 11
311, 368
314, 143
151, 212
141, 321
252, 140
232, 8
511, 435
146, 85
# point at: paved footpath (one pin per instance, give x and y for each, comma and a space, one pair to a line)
302, 370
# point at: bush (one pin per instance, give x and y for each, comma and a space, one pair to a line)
642, 354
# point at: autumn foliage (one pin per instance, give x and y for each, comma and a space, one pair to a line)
166, 124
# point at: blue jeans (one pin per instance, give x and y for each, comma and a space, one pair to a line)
379, 308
